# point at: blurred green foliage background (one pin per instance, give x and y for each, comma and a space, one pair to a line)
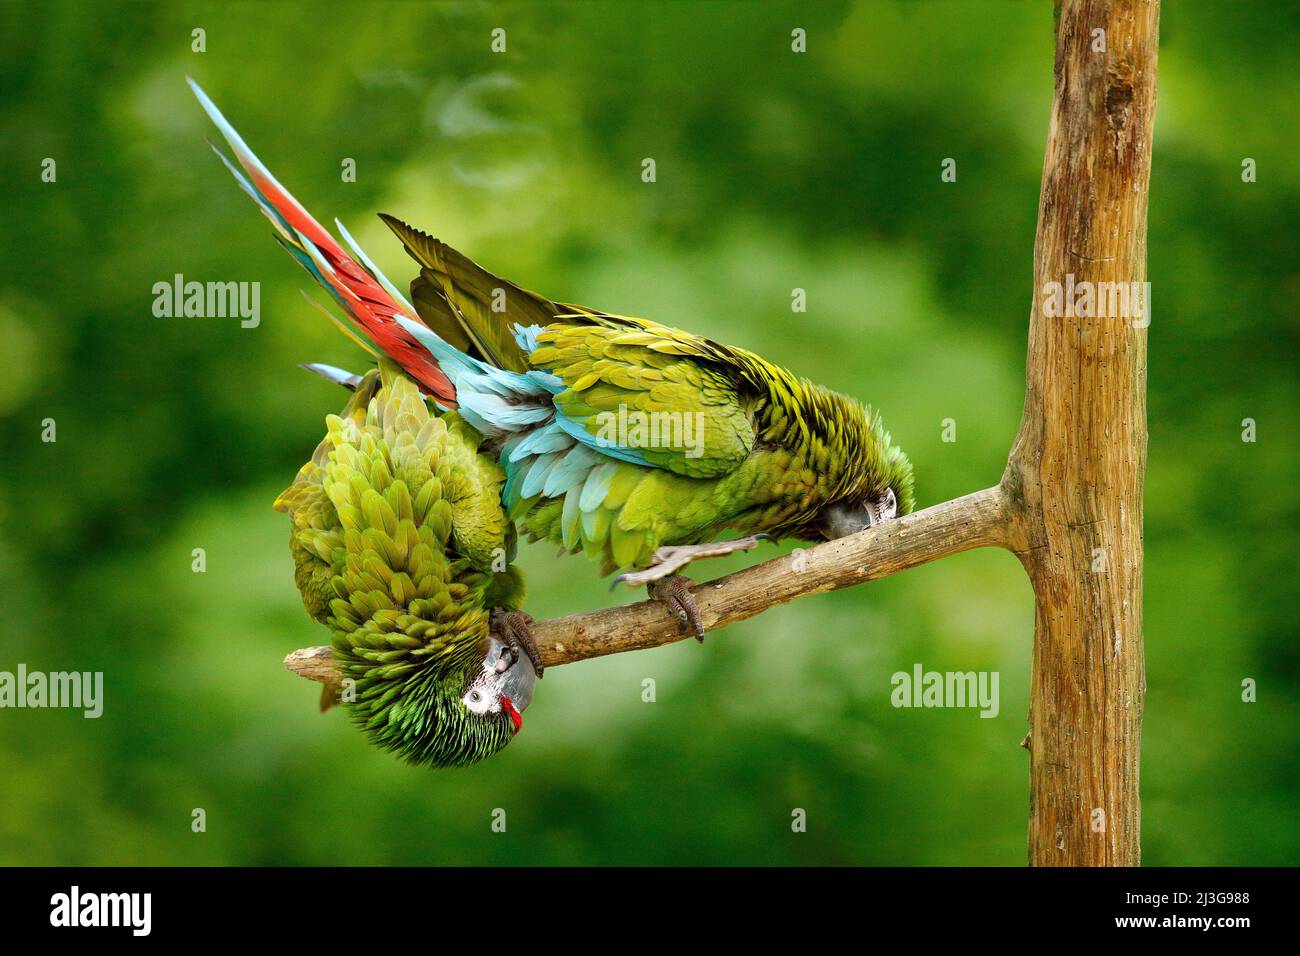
775, 170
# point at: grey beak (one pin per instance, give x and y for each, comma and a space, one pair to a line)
517, 681
840, 521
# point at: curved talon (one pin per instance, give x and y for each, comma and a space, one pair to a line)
514, 629
675, 591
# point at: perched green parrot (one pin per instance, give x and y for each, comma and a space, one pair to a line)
633, 442
402, 548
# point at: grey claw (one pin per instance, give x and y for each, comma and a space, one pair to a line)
515, 631
675, 592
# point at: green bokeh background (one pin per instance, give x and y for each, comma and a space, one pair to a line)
774, 171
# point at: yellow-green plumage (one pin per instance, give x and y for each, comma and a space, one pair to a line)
766, 451
401, 547
539, 380
770, 450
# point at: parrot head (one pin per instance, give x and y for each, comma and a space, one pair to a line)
881, 486
450, 719
500, 687
843, 519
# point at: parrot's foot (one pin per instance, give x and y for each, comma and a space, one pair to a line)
675, 591
669, 560
514, 629
666, 585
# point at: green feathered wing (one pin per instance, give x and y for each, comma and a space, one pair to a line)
679, 438
401, 548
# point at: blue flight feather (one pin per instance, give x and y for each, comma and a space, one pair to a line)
570, 471
597, 485
549, 438
604, 447
536, 478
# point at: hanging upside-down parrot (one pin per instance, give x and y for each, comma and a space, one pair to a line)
402, 548
588, 411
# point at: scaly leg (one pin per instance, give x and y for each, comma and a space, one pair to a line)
666, 585
514, 629
669, 559
675, 591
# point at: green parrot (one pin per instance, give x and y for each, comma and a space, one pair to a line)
633, 442
401, 547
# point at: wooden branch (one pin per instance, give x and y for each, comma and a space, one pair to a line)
1074, 479
974, 521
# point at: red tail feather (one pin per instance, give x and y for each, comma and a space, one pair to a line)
363, 297
371, 305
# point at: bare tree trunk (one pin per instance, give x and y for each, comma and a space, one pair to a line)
1074, 480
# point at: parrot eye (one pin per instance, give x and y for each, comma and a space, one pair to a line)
883, 508
479, 703
888, 506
